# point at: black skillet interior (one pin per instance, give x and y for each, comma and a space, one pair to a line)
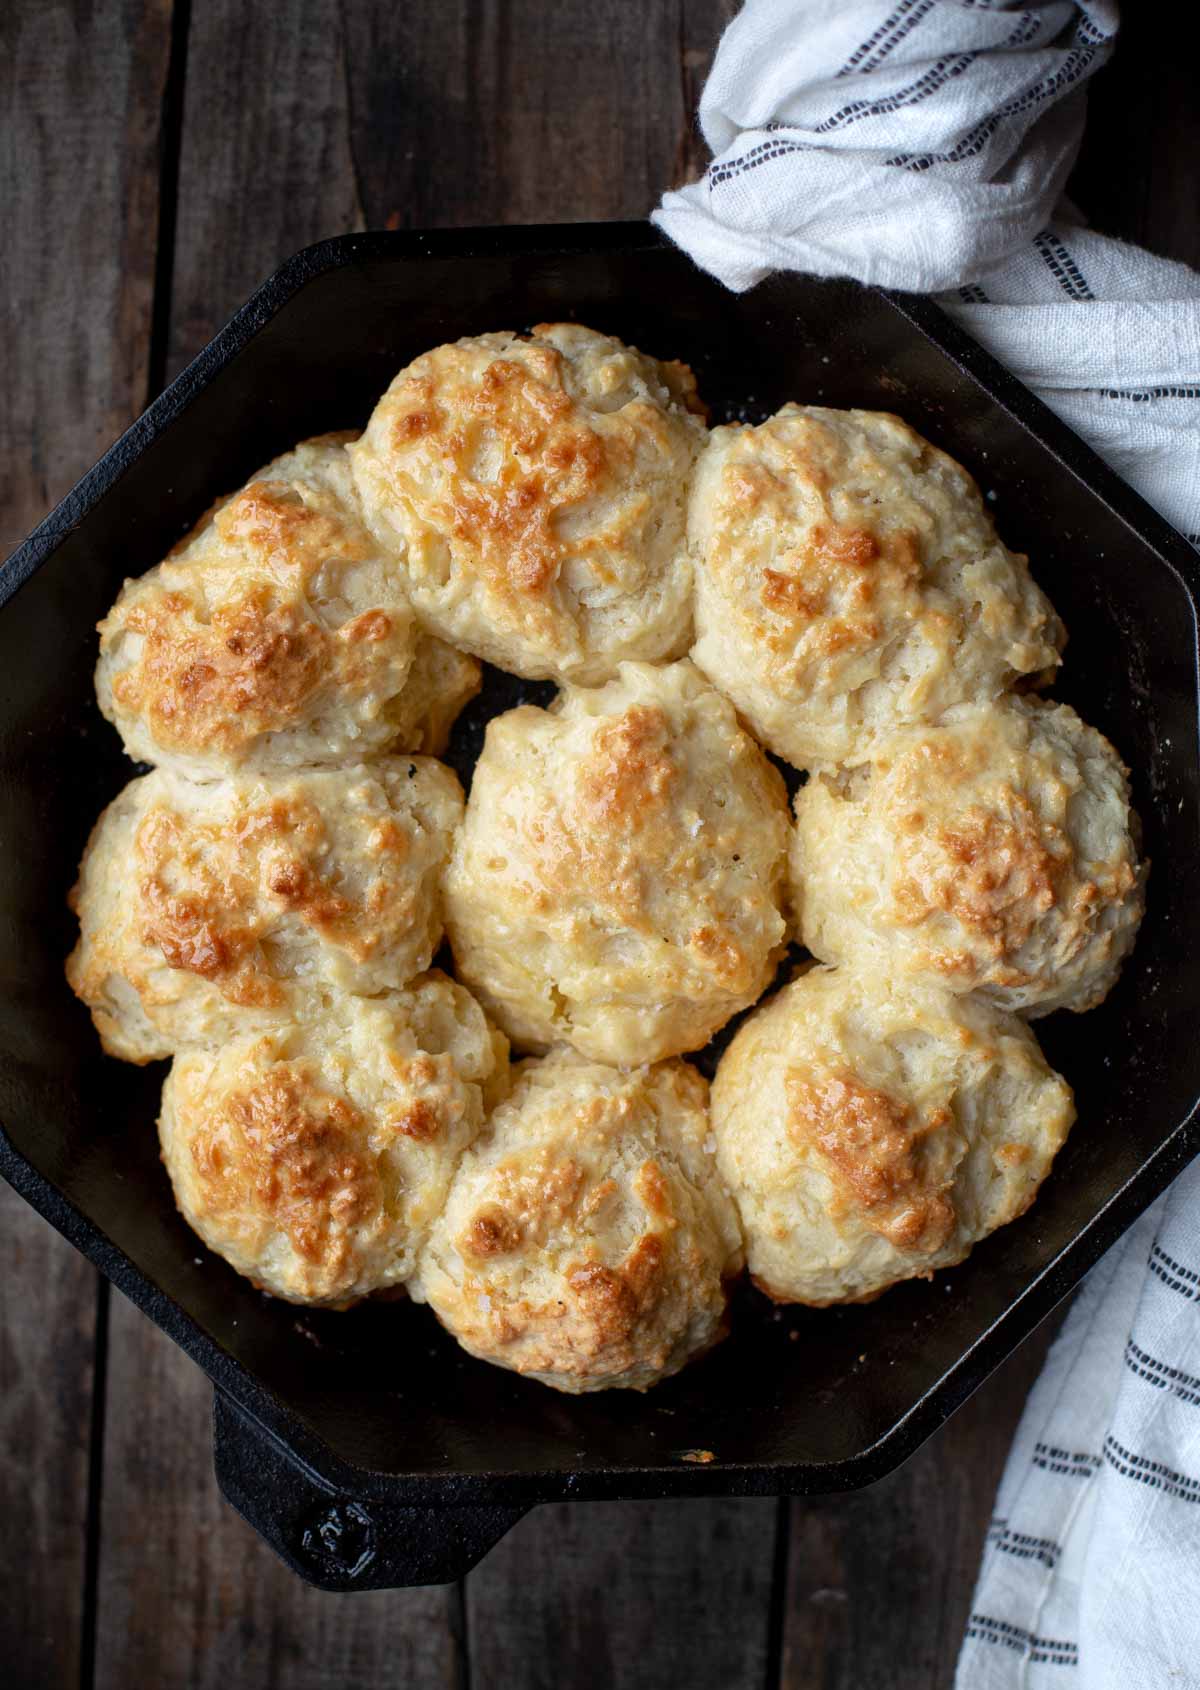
794, 1400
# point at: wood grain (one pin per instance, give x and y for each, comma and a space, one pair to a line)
47, 1325
190, 1598
264, 165
512, 111
80, 89
879, 1584
636, 1594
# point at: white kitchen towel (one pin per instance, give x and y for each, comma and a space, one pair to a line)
913, 145
923, 145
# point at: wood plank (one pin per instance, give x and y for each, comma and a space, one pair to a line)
510, 111
80, 93
879, 1584
265, 164
190, 1597
636, 1594
47, 1330
81, 89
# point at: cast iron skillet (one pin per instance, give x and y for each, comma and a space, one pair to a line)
366, 1447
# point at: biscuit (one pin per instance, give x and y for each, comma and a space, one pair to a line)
996, 852
586, 1241
441, 681
315, 1157
849, 579
874, 1129
617, 882
276, 634
211, 910
532, 489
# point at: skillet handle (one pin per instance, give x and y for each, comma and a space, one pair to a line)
336, 1541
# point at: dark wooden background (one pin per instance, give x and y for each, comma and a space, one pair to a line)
158, 161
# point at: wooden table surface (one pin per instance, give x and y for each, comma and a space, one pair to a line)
159, 160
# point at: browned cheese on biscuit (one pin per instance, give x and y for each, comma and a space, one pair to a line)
208, 910
532, 490
618, 880
315, 1158
996, 852
277, 634
587, 1240
871, 1129
849, 580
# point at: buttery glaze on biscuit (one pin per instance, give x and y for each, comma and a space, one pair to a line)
532, 490
871, 1129
587, 1240
996, 852
276, 634
618, 879
849, 579
210, 910
315, 1157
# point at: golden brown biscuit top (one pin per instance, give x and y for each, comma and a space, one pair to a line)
251, 623
996, 850
849, 578
539, 1187
597, 1300
883, 1162
584, 1222
534, 486
213, 889
983, 813
873, 1127
537, 1200
641, 807
316, 1157
284, 1145
553, 461
630, 770
208, 891
993, 867
211, 909
515, 456
817, 532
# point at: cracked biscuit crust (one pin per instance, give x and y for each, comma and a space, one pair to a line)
849, 579
996, 852
587, 1240
617, 882
532, 489
872, 1129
